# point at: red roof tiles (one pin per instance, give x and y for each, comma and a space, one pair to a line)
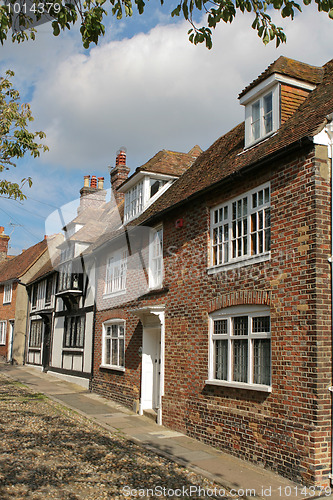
17, 266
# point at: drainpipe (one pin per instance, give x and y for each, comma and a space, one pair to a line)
329, 132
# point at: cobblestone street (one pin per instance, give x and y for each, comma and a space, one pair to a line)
49, 451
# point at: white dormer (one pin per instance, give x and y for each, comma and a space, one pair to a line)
142, 190
262, 111
274, 96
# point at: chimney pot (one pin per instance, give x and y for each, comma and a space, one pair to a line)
1, 229
86, 181
93, 182
119, 174
121, 158
100, 182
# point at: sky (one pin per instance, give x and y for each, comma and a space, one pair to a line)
144, 87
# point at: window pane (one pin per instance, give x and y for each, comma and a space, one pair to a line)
226, 252
260, 198
220, 327
267, 195
114, 360
256, 120
267, 217
267, 240
244, 206
121, 351
221, 359
240, 348
262, 361
234, 210
260, 219
261, 324
268, 113
240, 325
108, 351
261, 241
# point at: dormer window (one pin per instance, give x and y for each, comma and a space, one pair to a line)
144, 192
273, 97
155, 186
262, 116
133, 201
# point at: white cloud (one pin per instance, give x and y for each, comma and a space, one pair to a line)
149, 92
156, 90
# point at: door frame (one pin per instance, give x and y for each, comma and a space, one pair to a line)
11, 324
152, 318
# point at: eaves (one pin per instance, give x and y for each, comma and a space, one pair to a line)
306, 141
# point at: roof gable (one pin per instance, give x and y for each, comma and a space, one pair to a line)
19, 265
290, 68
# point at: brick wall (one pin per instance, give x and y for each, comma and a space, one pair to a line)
291, 99
287, 430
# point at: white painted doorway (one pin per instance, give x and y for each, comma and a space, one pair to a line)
151, 368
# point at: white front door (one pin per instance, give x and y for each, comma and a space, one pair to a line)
151, 368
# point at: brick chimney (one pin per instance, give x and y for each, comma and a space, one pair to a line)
92, 195
4, 240
119, 174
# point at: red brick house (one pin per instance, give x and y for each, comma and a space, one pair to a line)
14, 275
231, 339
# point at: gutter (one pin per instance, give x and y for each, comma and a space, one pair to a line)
329, 132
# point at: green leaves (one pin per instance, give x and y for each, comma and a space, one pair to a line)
15, 139
90, 14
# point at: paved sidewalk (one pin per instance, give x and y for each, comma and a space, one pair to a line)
220, 467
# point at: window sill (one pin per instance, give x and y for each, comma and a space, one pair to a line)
155, 288
259, 140
247, 261
73, 349
240, 385
113, 367
6, 303
114, 294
